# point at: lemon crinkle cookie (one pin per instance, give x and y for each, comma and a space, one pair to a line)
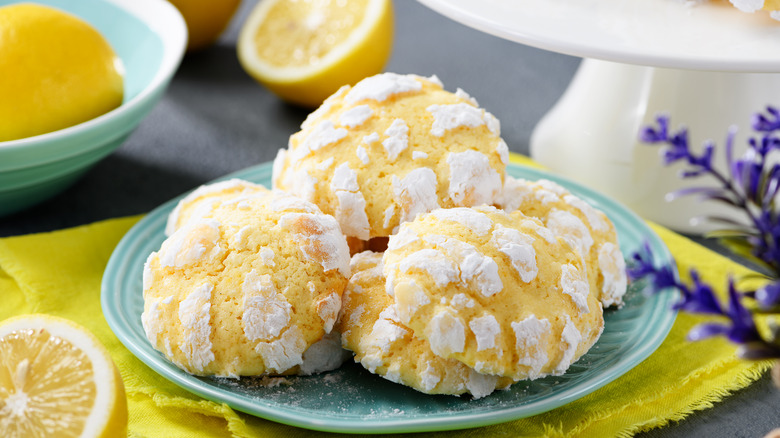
247, 287
383, 345
202, 200
498, 292
392, 147
567, 215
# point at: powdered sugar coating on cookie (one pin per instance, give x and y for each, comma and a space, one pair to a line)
587, 229
384, 346
247, 289
432, 148
495, 298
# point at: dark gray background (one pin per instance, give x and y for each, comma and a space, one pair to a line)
214, 119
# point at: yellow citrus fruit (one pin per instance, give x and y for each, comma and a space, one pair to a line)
205, 19
304, 50
772, 5
57, 379
56, 71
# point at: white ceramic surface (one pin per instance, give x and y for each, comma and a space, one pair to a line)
705, 64
689, 34
590, 135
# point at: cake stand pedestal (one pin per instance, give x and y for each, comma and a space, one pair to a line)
707, 66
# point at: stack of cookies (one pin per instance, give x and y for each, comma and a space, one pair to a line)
392, 208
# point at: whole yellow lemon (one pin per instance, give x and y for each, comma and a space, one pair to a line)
57, 71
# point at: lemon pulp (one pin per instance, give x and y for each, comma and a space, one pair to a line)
56, 380
57, 70
305, 50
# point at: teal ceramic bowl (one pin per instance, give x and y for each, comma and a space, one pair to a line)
150, 37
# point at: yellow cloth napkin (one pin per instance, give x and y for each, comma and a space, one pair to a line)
60, 273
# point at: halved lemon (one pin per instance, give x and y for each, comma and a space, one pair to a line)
305, 50
57, 379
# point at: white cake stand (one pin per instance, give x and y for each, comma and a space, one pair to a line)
706, 64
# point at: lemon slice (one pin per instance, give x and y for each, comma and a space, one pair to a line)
303, 51
56, 71
56, 379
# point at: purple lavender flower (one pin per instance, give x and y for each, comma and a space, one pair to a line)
750, 185
734, 321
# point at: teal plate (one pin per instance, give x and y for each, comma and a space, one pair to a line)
353, 400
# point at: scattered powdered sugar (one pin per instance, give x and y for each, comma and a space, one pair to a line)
486, 330
397, 139
356, 116
515, 193
382, 86
493, 125
371, 138
325, 164
461, 301
435, 80
574, 283
472, 180
344, 178
433, 262
520, 250
465, 96
328, 310
473, 220
449, 117
301, 183
480, 385
283, 353
283, 201
150, 320
324, 134
446, 334
351, 210
416, 193
613, 270
595, 219
415, 298
419, 155
233, 184
531, 335
239, 239
147, 277
196, 327
571, 338
473, 264
383, 334
503, 151
320, 239
266, 312
266, 256
406, 235
324, 355
362, 154
429, 377
388, 216
570, 227
189, 244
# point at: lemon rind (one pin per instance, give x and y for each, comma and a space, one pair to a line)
248, 55
102, 367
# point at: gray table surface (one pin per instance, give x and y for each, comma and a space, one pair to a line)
214, 119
